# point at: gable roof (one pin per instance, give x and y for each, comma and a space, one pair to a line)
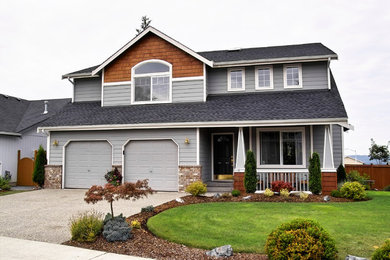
17, 115
220, 109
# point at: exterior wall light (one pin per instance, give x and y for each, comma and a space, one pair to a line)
55, 143
187, 141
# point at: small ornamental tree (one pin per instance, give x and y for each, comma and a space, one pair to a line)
315, 174
379, 153
39, 167
341, 174
250, 178
110, 193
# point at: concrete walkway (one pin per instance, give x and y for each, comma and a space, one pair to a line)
13, 248
43, 215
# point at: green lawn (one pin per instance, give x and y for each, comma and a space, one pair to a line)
356, 226
9, 192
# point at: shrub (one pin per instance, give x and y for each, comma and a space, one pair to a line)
116, 229
315, 174
135, 224
336, 194
382, 252
236, 193
387, 188
250, 177
4, 184
114, 177
226, 195
353, 190
148, 209
341, 174
303, 195
86, 226
300, 239
39, 167
284, 193
126, 191
278, 185
362, 179
268, 193
196, 188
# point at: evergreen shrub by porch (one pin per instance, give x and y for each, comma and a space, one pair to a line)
86, 226
341, 174
353, 190
336, 194
315, 174
300, 239
197, 188
39, 167
382, 252
250, 177
278, 185
268, 192
236, 193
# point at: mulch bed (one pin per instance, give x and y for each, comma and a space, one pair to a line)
145, 244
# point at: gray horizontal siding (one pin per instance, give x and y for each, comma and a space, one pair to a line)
314, 76
318, 141
205, 154
187, 152
117, 95
187, 91
337, 145
88, 89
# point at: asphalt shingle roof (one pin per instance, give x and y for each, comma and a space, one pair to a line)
299, 104
18, 114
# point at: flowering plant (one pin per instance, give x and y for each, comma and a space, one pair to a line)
114, 177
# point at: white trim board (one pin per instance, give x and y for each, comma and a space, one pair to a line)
159, 34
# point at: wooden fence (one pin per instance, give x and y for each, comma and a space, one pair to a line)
379, 173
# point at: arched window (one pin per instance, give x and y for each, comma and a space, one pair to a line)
152, 82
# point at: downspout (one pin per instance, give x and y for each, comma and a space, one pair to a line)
73, 88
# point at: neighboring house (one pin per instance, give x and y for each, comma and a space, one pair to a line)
18, 129
362, 159
159, 110
352, 160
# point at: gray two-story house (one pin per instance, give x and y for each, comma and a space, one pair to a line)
158, 110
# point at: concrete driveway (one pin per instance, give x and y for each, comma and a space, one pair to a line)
43, 215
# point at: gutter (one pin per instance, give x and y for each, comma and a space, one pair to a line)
10, 133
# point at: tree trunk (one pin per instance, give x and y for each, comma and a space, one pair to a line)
112, 210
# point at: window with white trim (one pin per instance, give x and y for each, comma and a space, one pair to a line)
236, 79
281, 147
264, 77
292, 76
152, 82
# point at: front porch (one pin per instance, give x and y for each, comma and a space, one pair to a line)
281, 152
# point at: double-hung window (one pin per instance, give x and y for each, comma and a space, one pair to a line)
152, 82
264, 77
236, 79
284, 148
292, 75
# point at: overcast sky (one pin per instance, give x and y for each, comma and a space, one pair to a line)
42, 40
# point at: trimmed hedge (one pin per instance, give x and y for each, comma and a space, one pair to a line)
315, 174
250, 177
383, 252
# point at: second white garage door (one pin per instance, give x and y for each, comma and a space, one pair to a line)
86, 163
156, 160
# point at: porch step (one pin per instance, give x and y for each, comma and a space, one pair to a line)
219, 186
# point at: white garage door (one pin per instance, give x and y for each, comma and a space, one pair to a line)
86, 163
156, 160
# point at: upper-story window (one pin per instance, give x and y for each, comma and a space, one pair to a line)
264, 77
292, 76
236, 79
152, 82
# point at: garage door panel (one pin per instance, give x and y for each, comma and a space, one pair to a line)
86, 163
155, 160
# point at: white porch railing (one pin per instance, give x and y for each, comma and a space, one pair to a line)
299, 180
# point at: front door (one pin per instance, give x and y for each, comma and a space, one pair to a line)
223, 156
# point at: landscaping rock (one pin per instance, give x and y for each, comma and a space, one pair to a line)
217, 195
351, 257
327, 198
222, 251
180, 200
246, 197
116, 229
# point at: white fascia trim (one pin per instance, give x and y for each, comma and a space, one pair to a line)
161, 35
204, 83
288, 170
119, 83
328, 71
188, 78
102, 95
292, 122
48, 143
10, 133
328, 170
197, 146
273, 61
80, 76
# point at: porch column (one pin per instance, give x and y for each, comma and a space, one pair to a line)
240, 158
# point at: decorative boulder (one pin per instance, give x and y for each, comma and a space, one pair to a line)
217, 195
180, 200
327, 198
351, 257
222, 251
247, 197
116, 229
